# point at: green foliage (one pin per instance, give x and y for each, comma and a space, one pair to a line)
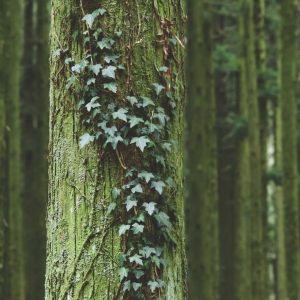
135, 124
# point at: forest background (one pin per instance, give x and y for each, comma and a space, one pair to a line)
164, 163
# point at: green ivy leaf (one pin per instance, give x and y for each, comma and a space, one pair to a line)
85, 139
92, 104
137, 228
76, 68
120, 114
136, 259
146, 175
133, 121
136, 285
163, 69
141, 142
167, 146
116, 192
105, 43
111, 58
91, 81
147, 101
112, 86
153, 285
130, 204
158, 88
127, 286
147, 251
95, 68
113, 140
158, 186
123, 229
132, 100
123, 273
109, 72
137, 189
138, 273
89, 19
149, 207
111, 207
163, 219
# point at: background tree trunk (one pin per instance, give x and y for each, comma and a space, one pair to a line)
83, 244
289, 146
34, 118
201, 159
11, 275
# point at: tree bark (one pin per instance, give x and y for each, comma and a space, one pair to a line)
289, 146
11, 275
83, 243
34, 120
201, 206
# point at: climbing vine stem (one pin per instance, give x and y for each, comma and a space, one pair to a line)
136, 128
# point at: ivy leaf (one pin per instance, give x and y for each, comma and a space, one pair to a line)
158, 186
111, 58
92, 104
153, 285
89, 19
96, 68
111, 87
167, 146
127, 286
120, 114
162, 117
163, 219
130, 204
149, 207
141, 142
132, 100
111, 207
158, 261
146, 175
91, 80
86, 139
136, 259
76, 68
115, 193
147, 101
158, 88
137, 189
109, 72
123, 228
137, 228
114, 140
133, 121
105, 43
136, 285
111, 131
99, 11
147, 251
163, 69
123, 273
138, 273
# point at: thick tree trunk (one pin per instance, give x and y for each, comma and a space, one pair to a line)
34, 101
11, 275
201, 160
83, 243
289, 146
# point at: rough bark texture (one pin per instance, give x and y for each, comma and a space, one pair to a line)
11, 275
82, 243
34, 114
289, 147
201, 206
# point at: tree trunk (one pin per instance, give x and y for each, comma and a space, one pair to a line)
11, 275
83, 243
289, 146
201, 160
34, 101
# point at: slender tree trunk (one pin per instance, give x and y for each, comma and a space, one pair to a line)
34, 101
12, 280
83, 243
201, 160
289, 146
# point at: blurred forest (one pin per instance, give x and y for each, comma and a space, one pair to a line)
149, 150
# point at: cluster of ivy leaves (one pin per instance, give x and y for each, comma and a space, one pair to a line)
135, 124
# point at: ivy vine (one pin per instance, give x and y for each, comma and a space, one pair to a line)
137, 125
